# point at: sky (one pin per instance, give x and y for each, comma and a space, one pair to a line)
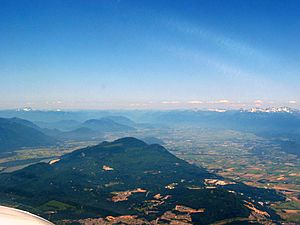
118, 54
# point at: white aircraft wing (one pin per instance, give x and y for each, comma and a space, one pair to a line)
11, 216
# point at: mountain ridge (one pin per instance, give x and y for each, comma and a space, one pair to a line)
127, 177
16, 133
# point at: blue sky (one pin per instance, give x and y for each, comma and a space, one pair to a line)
149, 54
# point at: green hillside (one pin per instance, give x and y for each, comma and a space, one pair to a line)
16, 133
124, 177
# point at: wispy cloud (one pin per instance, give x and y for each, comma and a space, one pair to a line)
138, 104
220, 101
170, 102
203, 58
223, 101
220, 40
196, 102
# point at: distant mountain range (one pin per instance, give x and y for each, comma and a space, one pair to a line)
122, 116
17, 133
92, 129
256, 122
281, 124
106, 125
129, 179
79, 134
62, 125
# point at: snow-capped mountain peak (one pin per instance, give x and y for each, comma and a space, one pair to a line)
283, 109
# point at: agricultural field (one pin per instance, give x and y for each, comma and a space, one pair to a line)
244, 157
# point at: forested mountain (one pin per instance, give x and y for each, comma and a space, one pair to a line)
16, 133
129, 177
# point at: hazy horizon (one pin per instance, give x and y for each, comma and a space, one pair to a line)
157, 107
